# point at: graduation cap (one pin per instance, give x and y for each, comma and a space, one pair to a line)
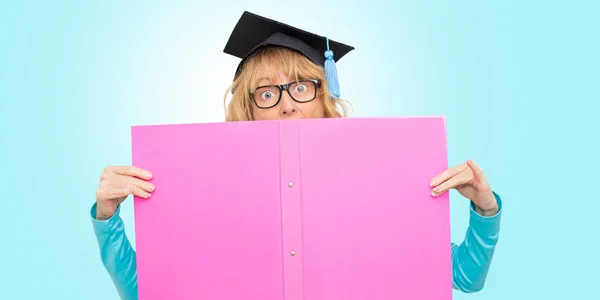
253, 32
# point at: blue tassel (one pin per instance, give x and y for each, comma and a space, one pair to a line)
331, 73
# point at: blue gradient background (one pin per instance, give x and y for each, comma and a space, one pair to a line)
517, 80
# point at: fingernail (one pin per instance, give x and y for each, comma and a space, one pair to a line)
433, 194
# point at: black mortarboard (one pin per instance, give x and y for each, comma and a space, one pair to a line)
253, 32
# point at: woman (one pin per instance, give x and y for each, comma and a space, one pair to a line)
284, 75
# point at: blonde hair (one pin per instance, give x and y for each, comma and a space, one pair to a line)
268, 63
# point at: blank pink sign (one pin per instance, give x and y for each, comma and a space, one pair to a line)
298, 210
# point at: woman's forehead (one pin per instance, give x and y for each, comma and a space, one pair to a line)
275, 75
279, 66
280, 78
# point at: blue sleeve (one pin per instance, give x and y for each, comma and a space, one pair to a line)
471, 259
117, 254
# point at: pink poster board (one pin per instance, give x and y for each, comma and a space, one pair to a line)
295, 210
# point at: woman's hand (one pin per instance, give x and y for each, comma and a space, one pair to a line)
468, 179
116, 183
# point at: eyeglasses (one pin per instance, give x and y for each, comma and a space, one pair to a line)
268, 96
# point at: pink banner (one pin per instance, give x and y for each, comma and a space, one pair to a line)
293, 210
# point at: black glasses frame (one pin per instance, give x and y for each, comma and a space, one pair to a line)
285, 87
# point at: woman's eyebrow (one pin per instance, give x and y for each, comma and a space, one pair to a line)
260, 81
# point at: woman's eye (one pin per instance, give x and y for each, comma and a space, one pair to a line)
267, 95
300, 89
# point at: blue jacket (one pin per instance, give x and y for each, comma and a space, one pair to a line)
470, 260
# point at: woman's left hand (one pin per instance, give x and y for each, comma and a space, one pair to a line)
468, 179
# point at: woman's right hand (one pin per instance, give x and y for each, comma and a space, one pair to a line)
118, 182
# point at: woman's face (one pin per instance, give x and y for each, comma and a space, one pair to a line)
287, 108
